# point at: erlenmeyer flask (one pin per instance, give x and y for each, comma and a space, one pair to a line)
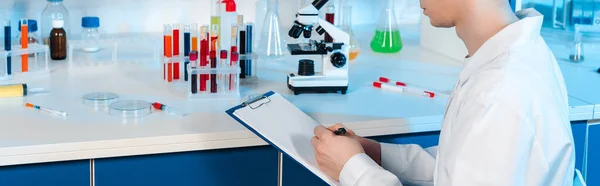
387, 34
272, 42
347, 27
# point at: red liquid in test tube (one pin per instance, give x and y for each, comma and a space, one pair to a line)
176, 51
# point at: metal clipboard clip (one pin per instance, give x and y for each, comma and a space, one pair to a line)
254, 100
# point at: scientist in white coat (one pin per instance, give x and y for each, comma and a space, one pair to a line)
506, 122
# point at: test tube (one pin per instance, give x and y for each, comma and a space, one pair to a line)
213, 76
214, 37
187, 39
215, 18
242, 47
176, 32
330, 17
249, 40
234, 38
24, 44
235, 56
7, 43
194, 78
168, 51
223, 81
204, 54
194, 31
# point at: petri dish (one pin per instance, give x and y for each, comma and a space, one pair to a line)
100, 99
130, 109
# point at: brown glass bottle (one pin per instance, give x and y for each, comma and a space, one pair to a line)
58, 41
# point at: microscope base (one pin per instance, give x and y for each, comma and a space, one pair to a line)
316, 89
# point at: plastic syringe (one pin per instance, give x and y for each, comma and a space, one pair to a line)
168, 109
19, 90
48, 110
403, 89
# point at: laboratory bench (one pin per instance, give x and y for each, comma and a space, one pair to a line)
90, 147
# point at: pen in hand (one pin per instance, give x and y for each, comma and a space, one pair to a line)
340, 131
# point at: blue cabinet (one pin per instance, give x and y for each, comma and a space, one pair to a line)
580, 130
239, 166
593, 156
70, 173
295, 174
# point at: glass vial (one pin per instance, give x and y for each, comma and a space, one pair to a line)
90, 33
330, 17
58, 41
387, 34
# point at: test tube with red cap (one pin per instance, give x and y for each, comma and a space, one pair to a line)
222, 78
393, 88
233, 78
192, 72
402, 84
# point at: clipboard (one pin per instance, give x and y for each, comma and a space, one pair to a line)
285, 127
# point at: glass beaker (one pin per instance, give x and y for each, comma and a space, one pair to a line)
347, 27
272, 44
387, 34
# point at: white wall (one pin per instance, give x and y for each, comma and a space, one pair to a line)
126, 16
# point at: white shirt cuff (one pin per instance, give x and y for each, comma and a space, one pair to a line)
355, 168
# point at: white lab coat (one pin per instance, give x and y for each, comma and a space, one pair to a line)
506, 123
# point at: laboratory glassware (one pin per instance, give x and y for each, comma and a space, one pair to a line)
272, 43
261, 12
24, 24
576, 54
7, 47
387, 33
215, 18
90, 33
229, 17
130, 109
54, 10
330, 17
33, 32
346, 25
99, 99
58, 41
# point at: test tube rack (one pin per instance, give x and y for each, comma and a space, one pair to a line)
38, 67
143, 51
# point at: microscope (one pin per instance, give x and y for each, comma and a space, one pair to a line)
334, 75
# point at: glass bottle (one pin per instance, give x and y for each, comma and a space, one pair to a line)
346, 26
58, 41
90, 33
387, 34
261, 12
33, 36
55, 10
272, 43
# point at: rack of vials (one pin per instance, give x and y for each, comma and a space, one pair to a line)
19, 61
210, 69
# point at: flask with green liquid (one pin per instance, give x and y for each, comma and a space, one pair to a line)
387, 33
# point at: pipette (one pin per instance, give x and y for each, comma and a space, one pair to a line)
48, 110
403, 89
168, 109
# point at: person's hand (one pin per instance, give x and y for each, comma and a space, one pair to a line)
333, 151
371, 147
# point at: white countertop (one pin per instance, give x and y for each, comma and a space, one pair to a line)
27, 136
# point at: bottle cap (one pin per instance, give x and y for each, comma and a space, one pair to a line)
223, 54
90, 22
235, 56
58, 23
31, 25
193, 55
229, 5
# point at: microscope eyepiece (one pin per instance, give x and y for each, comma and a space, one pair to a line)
319, 3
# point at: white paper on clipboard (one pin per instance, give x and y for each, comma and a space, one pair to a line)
284, 126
